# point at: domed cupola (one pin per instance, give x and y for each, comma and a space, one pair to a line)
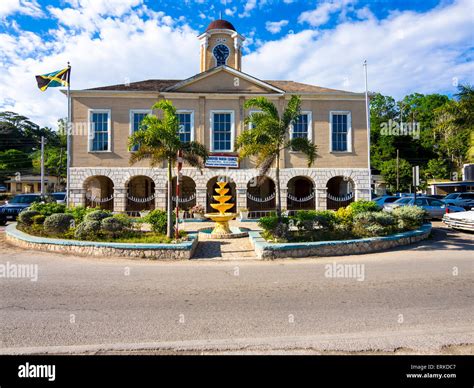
221, 44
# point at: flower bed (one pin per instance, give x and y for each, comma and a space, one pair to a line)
360, 227
97, 232
176, 251
268, 250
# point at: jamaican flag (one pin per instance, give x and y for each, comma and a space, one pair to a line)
54, 79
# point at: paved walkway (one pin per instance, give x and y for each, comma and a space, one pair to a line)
223, 249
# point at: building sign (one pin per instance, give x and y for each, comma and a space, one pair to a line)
222, 161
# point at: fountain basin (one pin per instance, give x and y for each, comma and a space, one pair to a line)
234, 232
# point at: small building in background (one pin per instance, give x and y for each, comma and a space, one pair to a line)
31, 183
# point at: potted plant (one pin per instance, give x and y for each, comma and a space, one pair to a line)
244, 213
197, 212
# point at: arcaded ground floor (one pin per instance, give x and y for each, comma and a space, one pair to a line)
133, 189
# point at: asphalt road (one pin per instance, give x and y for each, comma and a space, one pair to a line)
418, 298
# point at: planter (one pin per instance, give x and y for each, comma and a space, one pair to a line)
244, 215
162, 251
269, 250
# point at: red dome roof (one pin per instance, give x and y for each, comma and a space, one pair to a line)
221, 25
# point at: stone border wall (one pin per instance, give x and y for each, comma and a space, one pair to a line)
266, 250
180, 251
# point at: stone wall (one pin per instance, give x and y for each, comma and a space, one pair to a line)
181, 251
266, 250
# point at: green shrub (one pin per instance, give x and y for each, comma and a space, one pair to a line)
124, 219
87, 230
409, 217
97, 215
38, 220
58, 223
26, 217
308, 220
344, 216
373, 224
112, 226
48, 208
268, 223
79, 212
158, 219
274, 228
362, 206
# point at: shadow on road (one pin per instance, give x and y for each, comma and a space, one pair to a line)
444, 238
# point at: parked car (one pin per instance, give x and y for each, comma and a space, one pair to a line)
468, 205
459, 199
19, 202
437, 196
381, 201
463, 221
436, 208
60, 197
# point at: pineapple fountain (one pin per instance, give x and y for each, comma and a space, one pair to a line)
221, 228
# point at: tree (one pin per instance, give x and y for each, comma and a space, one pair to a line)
437, 169
55, 153
158, 140
389, 173
18, 132
13, 161
383, 109
269, 136
455, 125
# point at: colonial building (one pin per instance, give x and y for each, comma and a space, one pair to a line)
211, 110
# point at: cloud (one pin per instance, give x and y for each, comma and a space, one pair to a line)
248, 7
321, 14
102, 51
230, 11
406, 52
25, 7
275, 27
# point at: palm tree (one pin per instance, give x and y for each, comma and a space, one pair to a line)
158, 140
269, 136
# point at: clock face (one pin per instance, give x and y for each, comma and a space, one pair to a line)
221, 53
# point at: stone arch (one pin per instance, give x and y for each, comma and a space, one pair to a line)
140, 194
308, 173
187, 193
340, 191
301, 193
99, 192
261, 193
212, 185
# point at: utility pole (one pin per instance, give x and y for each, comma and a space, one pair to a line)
398, 170
416, 181
59, 167
42, 165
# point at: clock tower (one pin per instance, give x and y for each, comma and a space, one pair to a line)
221, 45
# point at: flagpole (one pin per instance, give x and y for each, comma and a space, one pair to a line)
367, 114
68, 138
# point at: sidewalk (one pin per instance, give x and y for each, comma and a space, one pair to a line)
222, 249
